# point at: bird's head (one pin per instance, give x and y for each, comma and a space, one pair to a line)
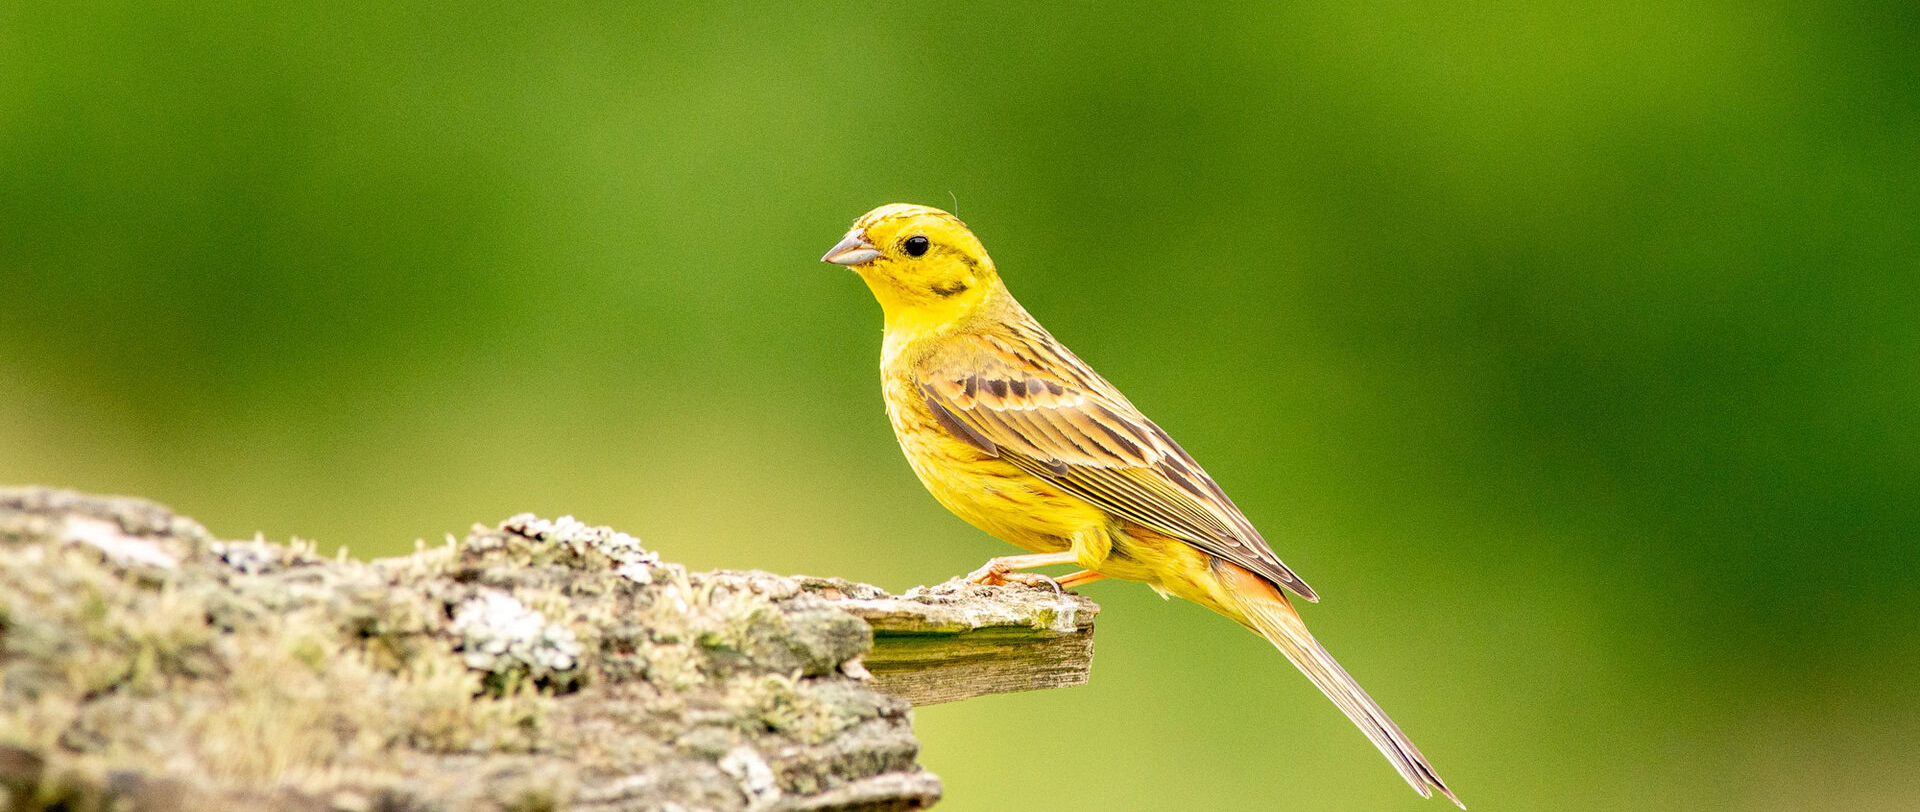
923, 264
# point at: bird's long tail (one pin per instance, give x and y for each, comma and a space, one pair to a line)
1270, 614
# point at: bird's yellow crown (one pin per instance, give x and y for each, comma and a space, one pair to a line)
924, 266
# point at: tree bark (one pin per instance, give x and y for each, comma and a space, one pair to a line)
535, 665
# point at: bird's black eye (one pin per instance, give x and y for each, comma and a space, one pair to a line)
917, 245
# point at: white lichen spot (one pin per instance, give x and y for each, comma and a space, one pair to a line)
244, 557
498, 632
347, 800
630, 560
755, 777
119, 547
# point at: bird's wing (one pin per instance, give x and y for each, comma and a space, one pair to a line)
1023, 396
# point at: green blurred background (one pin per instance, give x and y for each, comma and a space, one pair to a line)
1570, 350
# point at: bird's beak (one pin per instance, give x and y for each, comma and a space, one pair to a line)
852, 250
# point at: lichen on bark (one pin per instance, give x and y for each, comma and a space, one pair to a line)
534, 665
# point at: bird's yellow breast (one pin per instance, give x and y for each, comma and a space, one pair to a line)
986, 491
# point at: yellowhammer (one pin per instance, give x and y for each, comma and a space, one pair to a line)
1016, 435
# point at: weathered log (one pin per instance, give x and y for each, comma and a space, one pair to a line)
960, 640
535, 665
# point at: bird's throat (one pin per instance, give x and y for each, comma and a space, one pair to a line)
912, 320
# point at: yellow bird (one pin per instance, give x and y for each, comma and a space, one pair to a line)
1016, 435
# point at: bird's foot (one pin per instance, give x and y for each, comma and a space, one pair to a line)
1006, 570
998, 572
1034, 580
992, 573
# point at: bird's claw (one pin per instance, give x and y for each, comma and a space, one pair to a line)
1034, 579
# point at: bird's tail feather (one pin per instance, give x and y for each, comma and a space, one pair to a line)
1270, 614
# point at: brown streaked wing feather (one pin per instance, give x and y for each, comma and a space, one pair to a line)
1027, 399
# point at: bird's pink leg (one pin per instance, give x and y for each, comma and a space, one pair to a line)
1072, 580
996, 570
